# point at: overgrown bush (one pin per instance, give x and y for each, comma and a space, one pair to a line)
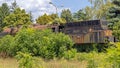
6, 46
43, 43
70, 54
94, 59
91, 47
114, 55
26, 60
25, 41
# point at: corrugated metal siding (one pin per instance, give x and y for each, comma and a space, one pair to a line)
90, 32
102, 37
87, 38
92, 37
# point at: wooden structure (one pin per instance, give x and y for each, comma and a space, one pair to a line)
92, 31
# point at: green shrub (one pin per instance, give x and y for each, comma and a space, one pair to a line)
94, 59
6, 45
42, 43
26, 60
91, 47
114, 55
25, 41
70, 54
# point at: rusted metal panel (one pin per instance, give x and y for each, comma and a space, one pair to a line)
87, 38
108, 33
93, 37
101, 37
93, 31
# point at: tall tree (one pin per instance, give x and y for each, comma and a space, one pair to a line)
44, 19
79, 16
89, 13
14, 6
4, 11
100, 8
67, 15
114, 12
116, 30
59, 21
56, 19
31, 17
114, 18
54, 16
17, 17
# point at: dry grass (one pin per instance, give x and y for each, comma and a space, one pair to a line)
8, 63
64, 64
12, 63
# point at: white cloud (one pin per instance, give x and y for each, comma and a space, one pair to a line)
37, 7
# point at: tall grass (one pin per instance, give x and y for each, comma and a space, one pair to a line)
12, 63
8, 63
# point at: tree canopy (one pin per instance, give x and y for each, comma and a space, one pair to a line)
113, 13
67, 15
44, 19
99, 8
113, 16
14, 6
19, 16
79, 16
4, 11
50, 19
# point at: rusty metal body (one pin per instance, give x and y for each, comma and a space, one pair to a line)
93, 31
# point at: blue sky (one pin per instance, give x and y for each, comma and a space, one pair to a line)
39, 7
74, 5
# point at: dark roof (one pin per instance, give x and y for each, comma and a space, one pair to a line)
86, 23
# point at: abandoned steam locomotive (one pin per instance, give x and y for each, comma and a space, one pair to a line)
92, 31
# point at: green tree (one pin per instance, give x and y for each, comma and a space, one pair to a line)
14, 6
59, 21
116, 30
100, 8
17, 17
56, 19
44, 19
113, 14
31, 17
79, 15
89, 13
67, 15
54, 16
4, 11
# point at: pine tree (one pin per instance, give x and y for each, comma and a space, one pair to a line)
113, 14
114, 18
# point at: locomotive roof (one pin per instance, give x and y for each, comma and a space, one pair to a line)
87, 23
